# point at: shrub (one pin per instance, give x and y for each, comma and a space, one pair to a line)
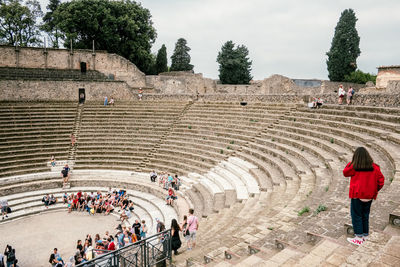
360, 77
221, 151
232, 142
303, 210
320, 208
332, 141
190, 127
326, 188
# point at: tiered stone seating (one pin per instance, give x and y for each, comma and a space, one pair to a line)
10, 73
246, 170
123, 136
31, 132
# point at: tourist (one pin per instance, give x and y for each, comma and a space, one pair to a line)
80, 247
1, 260
143, 230
125, 216
73, 139
69, 204
366, 180
65, 173
140, 94
177, 182
341, 94
153, 176
9, 252
120, 238
160, 226
320, 102
70, 262
175, 239
65, 198
105, 101
185, 230
4, 208
111, 103
55, 258
137, 226
53, 161
46, 200
111, 244
171, 196
350, 94
193, 226
52, 200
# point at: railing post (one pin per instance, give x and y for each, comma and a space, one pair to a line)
145, 253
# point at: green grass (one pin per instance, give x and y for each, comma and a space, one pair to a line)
320, 208
221, 151
228, 147
391, 179
273, 139
308, 194
303, 210
270, 228
326, 188
190, 127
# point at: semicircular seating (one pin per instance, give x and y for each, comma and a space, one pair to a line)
247, 171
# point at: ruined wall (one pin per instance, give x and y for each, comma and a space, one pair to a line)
180, 83
393, 87
386, 74
63, 90
110, 64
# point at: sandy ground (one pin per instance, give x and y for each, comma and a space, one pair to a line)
35, 237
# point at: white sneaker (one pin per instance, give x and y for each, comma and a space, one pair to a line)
356, 240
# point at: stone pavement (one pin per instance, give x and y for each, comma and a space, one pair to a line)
35, 237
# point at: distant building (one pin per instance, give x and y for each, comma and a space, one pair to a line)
386, 74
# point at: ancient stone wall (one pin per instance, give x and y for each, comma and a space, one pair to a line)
386, 74
63, 90
111, 65
180, 83
393, 87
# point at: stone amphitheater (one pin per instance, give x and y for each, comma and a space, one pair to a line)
249, 164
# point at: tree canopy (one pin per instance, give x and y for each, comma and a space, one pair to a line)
342, 57
234, 64
180, 59
18, 24
162, 61
122, 27
49, 24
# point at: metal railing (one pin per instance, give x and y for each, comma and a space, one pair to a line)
152, 251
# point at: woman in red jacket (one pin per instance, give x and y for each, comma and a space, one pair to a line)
366, 180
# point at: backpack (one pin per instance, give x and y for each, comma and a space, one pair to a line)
52, 257
11, 256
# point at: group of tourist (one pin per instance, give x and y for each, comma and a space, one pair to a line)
342, 93
169, 183
98, 203
109, 103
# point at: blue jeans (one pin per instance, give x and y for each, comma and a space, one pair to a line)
359, 211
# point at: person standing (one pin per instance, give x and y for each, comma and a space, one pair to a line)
175, 239
341, 94
105, 101
350, 94
10, 254
136, 226
4, 208
143, 230
365, 182
193, 226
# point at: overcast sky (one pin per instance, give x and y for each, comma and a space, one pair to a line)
287, 37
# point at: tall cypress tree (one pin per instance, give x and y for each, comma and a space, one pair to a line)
161, 61
180, 60
342, 57
234, 64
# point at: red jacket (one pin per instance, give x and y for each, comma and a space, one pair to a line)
364, 184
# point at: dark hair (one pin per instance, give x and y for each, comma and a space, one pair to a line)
191, 211
184, 217
362, 160
174, 225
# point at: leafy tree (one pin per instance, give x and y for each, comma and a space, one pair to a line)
342, 57
162, 61
234, 64
122, 27
18, 22
360, 77
180, 59
49, 24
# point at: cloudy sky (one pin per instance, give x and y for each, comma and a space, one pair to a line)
288, 37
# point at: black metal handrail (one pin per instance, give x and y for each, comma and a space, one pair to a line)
154, 250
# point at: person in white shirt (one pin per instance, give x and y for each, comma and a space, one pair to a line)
341, 94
